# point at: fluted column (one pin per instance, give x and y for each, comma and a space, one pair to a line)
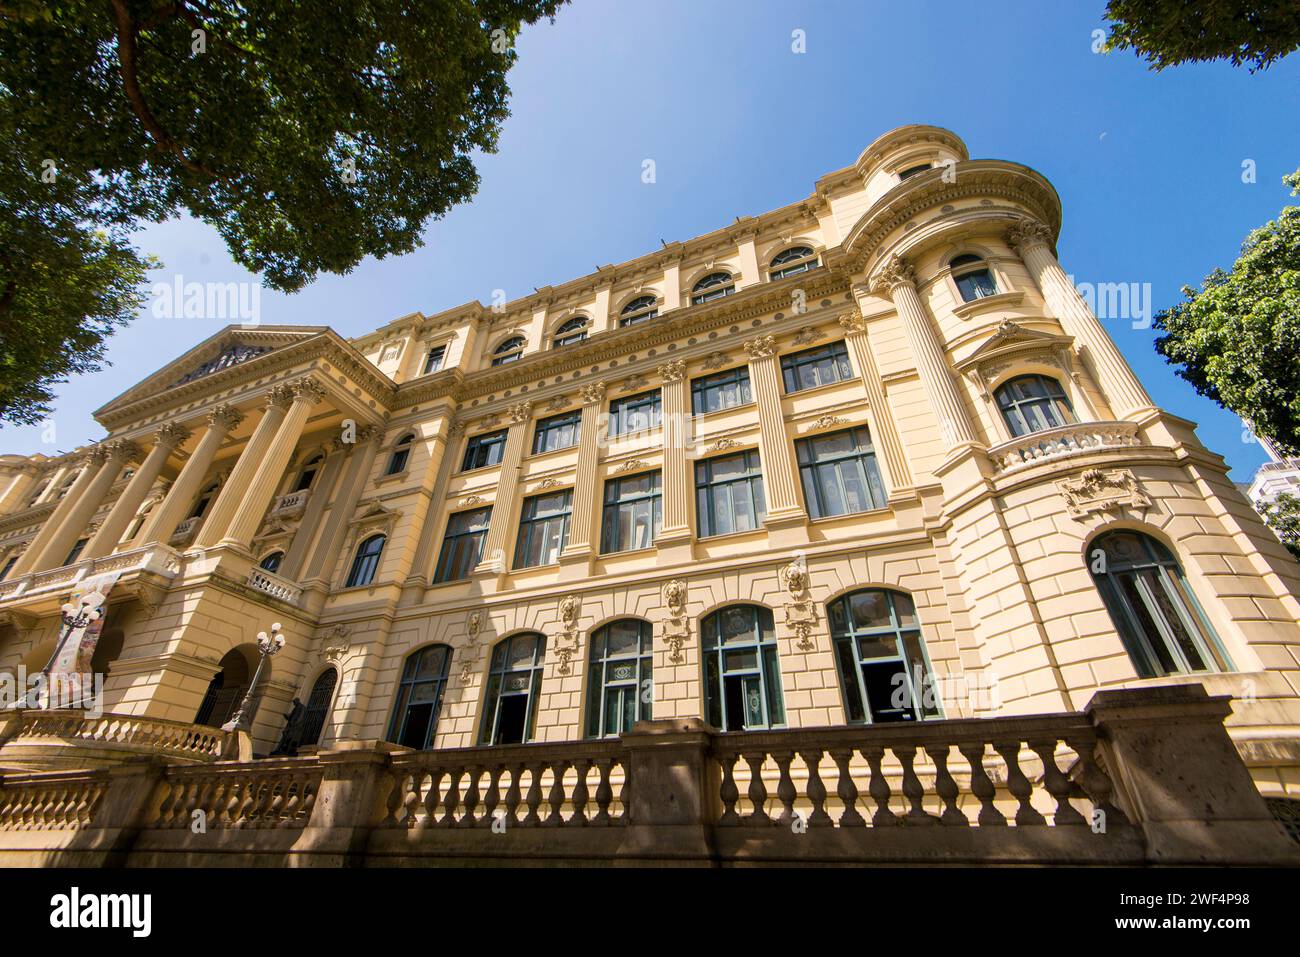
585, 509
261, 487
676, 435
495, 557
161, 523
421, 570
128, 503
1031, 239
897, 280
368, 440
779, 477
222, 512
893, 458
95, 459
321, 493
74, 522
16, 489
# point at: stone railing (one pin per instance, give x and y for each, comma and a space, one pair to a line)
171, 739
158, 559
185, 530
1144, 776
288, 505
274, 585
1063, 442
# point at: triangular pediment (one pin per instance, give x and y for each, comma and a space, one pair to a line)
1009, 333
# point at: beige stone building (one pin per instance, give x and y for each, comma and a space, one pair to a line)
864, 458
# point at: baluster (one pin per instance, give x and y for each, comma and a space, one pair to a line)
1096, 783
292, 800
981, 785
556, 798
449, 803
624, 791
274, 813
757, 789
413, 798
946, 787
534, 799
785, 790
913, 790
816, 789
847, 790
513, 796
430, 816
214, 793
492, 799
579, 819
308, 800
471, 797
728, 792
394, 801
604, 793
164, 815
252, 794
1018, 784
879, 789
1057, 784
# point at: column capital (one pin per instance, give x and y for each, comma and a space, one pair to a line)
896, 272
521, 412
225, 418
852, 322
122, 451
761, 348
673, 371
592, 393
171, 435
280, 396
457, 426
98, 454
308, 390
1027, 233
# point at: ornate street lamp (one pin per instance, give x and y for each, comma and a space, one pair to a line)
267, 646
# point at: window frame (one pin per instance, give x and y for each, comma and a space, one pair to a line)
498, 670
767, 668
705, 291
509, 350
612, 506
433, 359
599, 681
810, 470
793, 363
556, 423
848, 642
400, 459
619, 409
447, 552
629, 316
577, 329
706, 486
274, 566
361, 558
406, 685
531, 525
793, 266
963, 266
715, 382
1047, 405
495, 439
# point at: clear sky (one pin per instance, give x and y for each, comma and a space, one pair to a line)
1149, 167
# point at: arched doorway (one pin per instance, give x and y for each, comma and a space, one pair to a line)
226, 690
318, 707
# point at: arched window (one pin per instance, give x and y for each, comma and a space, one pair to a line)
419, 697
225, 690
1153, 608
509, 351
271, 562
204, 500
713, 286
513, 687
742, 677
137, 523
1032, 403
638, 310
308, 474
401, 455
884, 672
620, 688
973, 278
575, 330
366, 562
913, 171
793, 261
318, 708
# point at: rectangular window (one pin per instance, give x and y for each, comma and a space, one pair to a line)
433, 361
76, 551
634, 413
9, 566
633, 513
839, 473
729, 494
725, 390
558, 432
483, 450
813, 367
543, 529
462, 547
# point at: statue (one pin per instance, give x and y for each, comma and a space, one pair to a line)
291, 736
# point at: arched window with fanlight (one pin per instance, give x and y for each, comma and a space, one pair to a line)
513, 688
792, 261
1033, 403
307, 477
973, 277
1162, 625
619, 688
317, 708
880, 655
512, 350
397, 462
742, 674
366, 562
419, 697
639, 309
713, 286
574, 330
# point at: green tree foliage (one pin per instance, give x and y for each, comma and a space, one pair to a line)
1169, 32
1237, 339
1283, 516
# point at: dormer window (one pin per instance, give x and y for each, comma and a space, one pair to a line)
713, 286
793, 261
512, 350
973, 278
913, 171
639, 310
433, 361
575, 330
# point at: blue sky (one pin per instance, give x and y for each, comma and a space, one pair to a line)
1148, 166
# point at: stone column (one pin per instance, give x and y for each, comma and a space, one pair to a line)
897, 281
128, 503
421, 570
162, 522
1124, 392
16, 489
585, 506
898, 472
94, 462
262, 485
677, 433
316, 504
222, 512
496, 547
779, 476
73, 523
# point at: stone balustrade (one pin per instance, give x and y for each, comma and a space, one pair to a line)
264, 794
275, 586
286, 506
185, 530
50, 801
155, 558
1063, 442
36, 738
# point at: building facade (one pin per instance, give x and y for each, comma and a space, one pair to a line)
864, 458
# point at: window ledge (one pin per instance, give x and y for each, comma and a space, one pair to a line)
819, 388
393, 477
883, 509
731, 408
989, 303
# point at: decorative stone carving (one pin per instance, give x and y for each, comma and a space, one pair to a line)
716, 360
723, 444
567, 645
123, 451
548, 483
806, 335
761, 347
675, 597
1096, 490
632, 383
592, 393
673, 371
521, 412
896, 271
631, 465
171, 435
1027, 232
557, 403
225, 418
677, 627
489, 420
825, 422
472, 500
469, 653
800, 612
794, 577
457, 427
336, 644
309, 390
279, 397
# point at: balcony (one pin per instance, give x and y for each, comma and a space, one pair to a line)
69, 739
270, 584
151, 559
291, 505
186, 531
1063, 442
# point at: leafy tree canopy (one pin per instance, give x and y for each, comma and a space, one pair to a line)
1169, 32
1283, 516
1237, 339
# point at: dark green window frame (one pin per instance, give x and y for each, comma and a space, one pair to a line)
515, 672
484, 450
462, 546
557, 432
419, 697
723, 502
816, 367
833, 478
742, 670
722, 390
638, 498
884, 669
635, 413
543, 529
620, 688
